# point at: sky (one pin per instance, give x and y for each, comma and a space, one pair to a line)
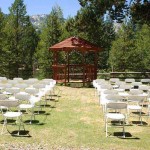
34, 7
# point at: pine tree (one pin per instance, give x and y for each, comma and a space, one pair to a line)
2, 37
96, 30
50, 35
21, 41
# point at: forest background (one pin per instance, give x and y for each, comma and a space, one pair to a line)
24, 48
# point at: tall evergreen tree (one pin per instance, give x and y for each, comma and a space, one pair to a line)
69, 28
50, 35
131, 50
2, 38
21, 41
121, 49
140, 11
117, 9
141, 52
97, 30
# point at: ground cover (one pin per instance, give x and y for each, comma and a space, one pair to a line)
74, 122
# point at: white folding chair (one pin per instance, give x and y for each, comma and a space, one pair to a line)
129, 80
11, 114
135, 105
114, 80
145, 81
3, 97
28, 104
117, 115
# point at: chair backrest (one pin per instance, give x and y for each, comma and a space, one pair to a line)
129, 80
144, 87
3, 97
22, 96
114, 98
44, 82
145, 80
22, 85
9, 103
31, 81
32, 91
34, 80
135, 98
135, 92
18, 79
114, 80
106, 86
116, 105
110, 92
125, 86
3, 79
7, 85
13, 90
13, 82
39, 86
136, 83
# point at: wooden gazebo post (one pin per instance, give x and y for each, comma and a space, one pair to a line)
95, 64
68, 67
83, 62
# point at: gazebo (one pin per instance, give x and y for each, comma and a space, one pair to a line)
71, 60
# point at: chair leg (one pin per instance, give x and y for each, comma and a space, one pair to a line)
4, 126
32, 115
123, 129
141, 118
20, 124
106, 127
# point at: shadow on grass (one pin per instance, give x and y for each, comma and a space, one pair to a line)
143, 123
39, 112
22, 133
33, 122
48, 106
127, 136
9, 121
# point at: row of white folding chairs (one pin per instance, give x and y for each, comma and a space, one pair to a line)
21, 101
117, 102
101, 85
27, 83
134, 92
30, 96
129, 80
118, 81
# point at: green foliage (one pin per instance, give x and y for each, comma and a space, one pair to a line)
142, 49
2, 35
140, 11
20, 42
50, 35
97, 31
69, 28
131, 50
116, 9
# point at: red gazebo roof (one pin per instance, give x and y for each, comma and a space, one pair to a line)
76, 43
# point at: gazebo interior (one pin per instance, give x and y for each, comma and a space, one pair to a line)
74, 60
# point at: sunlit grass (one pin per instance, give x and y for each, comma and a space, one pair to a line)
75, 121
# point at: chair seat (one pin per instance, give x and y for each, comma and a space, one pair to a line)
7, 93
12, 114
134, 107
3, 107
25, 106
120, 90
115, 116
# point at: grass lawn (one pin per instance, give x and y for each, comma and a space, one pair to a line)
74, 122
